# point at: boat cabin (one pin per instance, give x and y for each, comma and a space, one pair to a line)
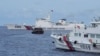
89, 35
96, 23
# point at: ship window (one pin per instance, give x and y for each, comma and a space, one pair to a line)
76, 34
86, 35
79, 34
94, 25
17, 26
92, 35
58, 24
97, 35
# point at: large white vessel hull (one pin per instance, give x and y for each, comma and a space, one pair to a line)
19, 27
62, 24
60, 43
13, 26
78, 47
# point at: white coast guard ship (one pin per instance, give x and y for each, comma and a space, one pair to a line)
15, 26
47, 24
85, 39
19, 27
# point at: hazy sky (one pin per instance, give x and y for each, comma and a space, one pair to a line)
26, 11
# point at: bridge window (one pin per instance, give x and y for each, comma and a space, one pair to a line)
86, 35
94, 25
77, 34
97, 35
17, 26
92, 35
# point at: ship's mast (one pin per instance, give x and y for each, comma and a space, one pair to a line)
49, 15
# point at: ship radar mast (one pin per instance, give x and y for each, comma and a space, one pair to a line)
49, 15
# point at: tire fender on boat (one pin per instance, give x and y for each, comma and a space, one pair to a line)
75, 42
94, 44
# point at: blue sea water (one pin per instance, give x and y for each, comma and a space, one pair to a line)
23, 43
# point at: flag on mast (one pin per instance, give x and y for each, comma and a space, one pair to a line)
51, 10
